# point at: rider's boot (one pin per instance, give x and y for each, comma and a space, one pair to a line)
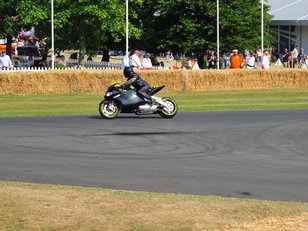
151, 101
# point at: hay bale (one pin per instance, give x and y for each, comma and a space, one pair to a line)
172, 79
247, 79
65, 81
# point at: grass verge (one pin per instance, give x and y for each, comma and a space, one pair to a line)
26, 206
87, 103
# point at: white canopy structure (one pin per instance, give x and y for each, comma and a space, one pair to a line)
290, 21
289, 12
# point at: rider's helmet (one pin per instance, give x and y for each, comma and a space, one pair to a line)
127, 71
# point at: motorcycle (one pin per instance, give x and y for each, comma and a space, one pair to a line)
118, 100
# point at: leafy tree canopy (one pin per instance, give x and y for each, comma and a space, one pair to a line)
87, 25
190, 25
9, 23
178, 25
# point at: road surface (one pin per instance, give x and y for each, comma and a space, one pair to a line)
246, 154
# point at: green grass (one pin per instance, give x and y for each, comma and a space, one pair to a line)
87, 102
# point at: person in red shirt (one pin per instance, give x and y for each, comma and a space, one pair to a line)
235, 60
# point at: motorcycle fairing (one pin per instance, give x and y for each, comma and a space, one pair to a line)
155, 89
129, 100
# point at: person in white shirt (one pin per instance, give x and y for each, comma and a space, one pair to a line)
266, 60
303, 62
294, 54
250, 60
5, 61
135, 61
125, 60
146, 62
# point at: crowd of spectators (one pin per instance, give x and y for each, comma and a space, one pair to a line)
28, 41
251, 59
295, 58
133, 59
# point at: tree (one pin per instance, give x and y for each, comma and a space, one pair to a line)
9, 25
190, 25
86, 25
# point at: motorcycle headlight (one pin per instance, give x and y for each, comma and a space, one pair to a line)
108, 94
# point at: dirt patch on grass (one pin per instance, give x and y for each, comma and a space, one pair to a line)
45, 207
294, 223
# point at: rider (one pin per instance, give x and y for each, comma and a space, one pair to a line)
141, 86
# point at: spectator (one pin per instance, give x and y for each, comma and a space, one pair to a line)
90, 58
169, 56
294, 55
44, 62
204, 64
285, 58
250, 60
184, 64
225, 63
146, 62
304, 62
42, 43
300, 57
61, 62
72, 56
21, 43
59, 55
212, 60
235, 60
154, 61
15, 45
134, 60
191, 63
5, 61
259, 57
266, 60
125, 60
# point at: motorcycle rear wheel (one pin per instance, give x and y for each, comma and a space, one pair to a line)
108, 110
170, 110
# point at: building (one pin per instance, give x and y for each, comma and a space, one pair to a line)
290, 22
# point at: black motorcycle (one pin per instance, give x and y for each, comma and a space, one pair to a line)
118, 100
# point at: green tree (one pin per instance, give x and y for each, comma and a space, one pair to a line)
86, 25
190, 25
9, 22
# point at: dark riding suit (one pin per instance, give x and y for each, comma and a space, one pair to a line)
141, 86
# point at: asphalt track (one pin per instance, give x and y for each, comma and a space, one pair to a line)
246, 154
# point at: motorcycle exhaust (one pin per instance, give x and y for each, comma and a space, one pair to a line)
147, 108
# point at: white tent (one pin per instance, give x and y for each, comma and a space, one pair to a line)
290, 21
289, 12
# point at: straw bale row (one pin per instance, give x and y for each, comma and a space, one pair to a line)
64, 81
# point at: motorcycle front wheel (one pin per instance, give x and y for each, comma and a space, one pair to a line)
108, 110
170, 110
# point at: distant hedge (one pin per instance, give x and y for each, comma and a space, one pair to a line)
64, 81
